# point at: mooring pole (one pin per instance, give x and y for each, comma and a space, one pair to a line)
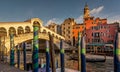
62, 56
35, 47
117, 53
11, 49
52, 53
18, 56
79, 42
47, 57
83, 52
24, 55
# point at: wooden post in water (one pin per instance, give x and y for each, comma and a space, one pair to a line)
47, 57
11, 48
18, 56
117, 53
52, 53
79, 42
24, 55
62, 56
83, 52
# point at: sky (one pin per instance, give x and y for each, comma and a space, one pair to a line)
57, 10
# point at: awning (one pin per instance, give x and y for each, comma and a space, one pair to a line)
96, 44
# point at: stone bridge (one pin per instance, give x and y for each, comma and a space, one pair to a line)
23, 31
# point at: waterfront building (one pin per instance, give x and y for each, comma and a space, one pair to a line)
54, 27
99, 34
77, 28
67, 29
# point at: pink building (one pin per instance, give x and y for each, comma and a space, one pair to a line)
100, 35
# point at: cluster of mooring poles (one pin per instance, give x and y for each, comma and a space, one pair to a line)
50, 52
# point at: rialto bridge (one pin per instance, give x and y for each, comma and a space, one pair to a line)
23, 31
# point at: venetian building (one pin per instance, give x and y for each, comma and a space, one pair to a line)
67, 27
55, 27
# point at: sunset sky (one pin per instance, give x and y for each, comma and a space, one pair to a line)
57, 10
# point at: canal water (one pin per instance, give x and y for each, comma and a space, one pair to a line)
107, 66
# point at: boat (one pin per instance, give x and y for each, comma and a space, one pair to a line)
90, 58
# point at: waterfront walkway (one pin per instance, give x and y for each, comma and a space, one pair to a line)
5, 67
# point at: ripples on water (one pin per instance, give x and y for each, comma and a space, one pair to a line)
101, 66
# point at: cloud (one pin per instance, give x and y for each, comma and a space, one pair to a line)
54, 20
79, 19
113, 19
93, 11
97, 10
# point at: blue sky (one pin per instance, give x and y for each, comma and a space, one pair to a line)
57, 10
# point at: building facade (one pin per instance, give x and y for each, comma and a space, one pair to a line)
77, 28
67, 29
102, 33
55, 27
99, 33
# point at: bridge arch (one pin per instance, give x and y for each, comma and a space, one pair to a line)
12, 29
3, 31
57, 37
20, 30
27, 29
53, 35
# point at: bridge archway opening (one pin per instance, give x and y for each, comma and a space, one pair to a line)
27, 29
53, 35
12, 29
20, 30
44, 31
42, 45
3, 31
57, 37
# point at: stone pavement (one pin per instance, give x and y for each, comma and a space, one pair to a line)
5, 67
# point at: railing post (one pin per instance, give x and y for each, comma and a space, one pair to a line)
11, 49
62, 56
18, 56
83, 52
47, 57
24, 55
117, 53
35, 47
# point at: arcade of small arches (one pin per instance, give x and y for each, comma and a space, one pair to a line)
24, 31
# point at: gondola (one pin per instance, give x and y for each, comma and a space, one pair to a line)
89, 59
